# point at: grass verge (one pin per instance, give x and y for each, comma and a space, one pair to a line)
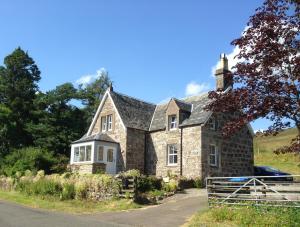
70, 206
246, 216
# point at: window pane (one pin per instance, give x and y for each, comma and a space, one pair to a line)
82, 154
109, 120
88, 153
175, 159
76, 154
103, 123
100, 153
110, 155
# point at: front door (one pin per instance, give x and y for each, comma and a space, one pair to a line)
110, 160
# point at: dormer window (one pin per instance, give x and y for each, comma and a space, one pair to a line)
212, 123
172, 122
106, 123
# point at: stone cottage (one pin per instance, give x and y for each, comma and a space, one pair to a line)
178, 137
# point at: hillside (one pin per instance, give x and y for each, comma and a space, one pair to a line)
264, 147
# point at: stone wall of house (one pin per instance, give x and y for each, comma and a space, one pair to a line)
157, 145
156, 154
135, 149
118, 132
191, 151
88, 167
235, 154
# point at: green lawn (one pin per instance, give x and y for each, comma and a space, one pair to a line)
70, 206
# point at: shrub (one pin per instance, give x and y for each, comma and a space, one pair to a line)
68, 191
170, 186
198, 182
184, 183
43, 187
27, 158
145, 184
130, 173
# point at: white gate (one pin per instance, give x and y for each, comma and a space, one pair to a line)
281, 191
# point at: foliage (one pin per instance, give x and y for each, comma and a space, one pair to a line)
28, 158
49, 120
145, 184
247, 216
18, 88
92, 93
170, 186
267, 73
198, 182
67, 186
130, 173
59, 122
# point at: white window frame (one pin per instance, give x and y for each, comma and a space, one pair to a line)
109, 122
77, 158
212, 123
214, 154
172, 152
172, 123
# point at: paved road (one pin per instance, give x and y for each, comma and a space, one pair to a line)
173, 212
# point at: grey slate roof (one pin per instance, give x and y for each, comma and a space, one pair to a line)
99, 137
133, 112
183, 105
195, 105
198, 114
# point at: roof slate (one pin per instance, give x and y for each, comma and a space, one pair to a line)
99, 137
133, 112
195, 105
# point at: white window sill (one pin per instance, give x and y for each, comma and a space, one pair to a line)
172, 165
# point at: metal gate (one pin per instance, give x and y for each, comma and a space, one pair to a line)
254, 190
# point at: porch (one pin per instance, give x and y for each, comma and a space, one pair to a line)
94, 156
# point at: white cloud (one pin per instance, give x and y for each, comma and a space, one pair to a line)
194, 88
89, 78
232, 61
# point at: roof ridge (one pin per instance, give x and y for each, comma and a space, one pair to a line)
179, 100
137, 99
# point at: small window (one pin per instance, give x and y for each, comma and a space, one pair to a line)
213, 155
83, 153
103, 124
109, 122
212, 123
172, 122
172, 155
110, 155
100, 153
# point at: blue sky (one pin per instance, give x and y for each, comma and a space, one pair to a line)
152, 50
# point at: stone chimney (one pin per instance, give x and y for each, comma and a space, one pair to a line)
223, 76
110, 87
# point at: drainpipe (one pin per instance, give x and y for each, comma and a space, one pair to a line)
145, 152
181, 151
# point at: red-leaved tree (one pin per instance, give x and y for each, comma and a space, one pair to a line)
267, 75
